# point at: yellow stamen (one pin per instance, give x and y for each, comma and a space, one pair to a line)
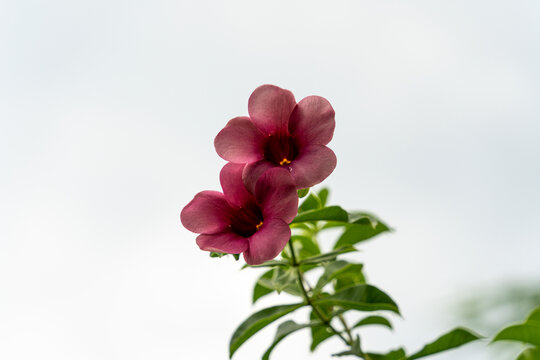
285, 161
259, 225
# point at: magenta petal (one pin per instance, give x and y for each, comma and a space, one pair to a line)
276, 192
268, 242
208, 213
253, 171
225, 242
313, 165
233, 187
270, 107
240, 141
312, 121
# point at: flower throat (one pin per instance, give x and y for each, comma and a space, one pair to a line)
280, 149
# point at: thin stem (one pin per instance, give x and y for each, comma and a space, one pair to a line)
347, 329
316, 310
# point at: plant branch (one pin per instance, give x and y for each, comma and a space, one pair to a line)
347, 329
316, 310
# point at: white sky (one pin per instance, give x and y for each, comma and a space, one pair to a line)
108, 110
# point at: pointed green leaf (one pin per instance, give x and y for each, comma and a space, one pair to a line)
303, 192
311, 202
530, 354
355, 218
271, 263
331, 213
282, 280
360, 297
214, 254
345, 353
355, 349
256, 322
398, 354
360, 230
260, 290
284, 330
320, 333
323, 196
373, 320
334, 270
328, 256
450, 340
304, 247
278, 279
528, 333
535, 315
350, 276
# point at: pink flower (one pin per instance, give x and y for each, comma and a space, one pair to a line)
281, 133
237, 221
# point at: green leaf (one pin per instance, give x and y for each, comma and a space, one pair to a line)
360, 230
373, 320
361, 297
311, 202
214, 254
259, 290
284, 330
321, 332
256, 322
535, 315
354, 217
398, 354
282, 280
450, 340
528, 332
323, 196
530, 354
330, 256
334, 270
306, 227
304, 247
355, 349
271, 263
303, 192
350, 276
331, 213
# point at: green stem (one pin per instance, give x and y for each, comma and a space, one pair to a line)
346, 327
316, 310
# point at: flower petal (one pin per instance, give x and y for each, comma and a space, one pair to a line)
233, 187
253, 171
270, 108
276, 192
268, 242
207, 213
312, 165
240, 141
225, 242
312, 121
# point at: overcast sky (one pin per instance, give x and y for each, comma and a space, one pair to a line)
108, 110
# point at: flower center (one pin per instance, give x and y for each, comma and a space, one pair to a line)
285, 161
280, 149
247, 220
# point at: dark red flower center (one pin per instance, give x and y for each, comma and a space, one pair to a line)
280, 149
245, 221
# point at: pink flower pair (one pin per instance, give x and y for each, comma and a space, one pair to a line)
278, 149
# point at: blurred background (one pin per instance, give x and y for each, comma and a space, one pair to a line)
108, 110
